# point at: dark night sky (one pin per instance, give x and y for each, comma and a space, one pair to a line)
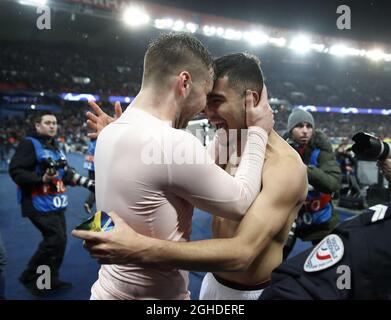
371, 20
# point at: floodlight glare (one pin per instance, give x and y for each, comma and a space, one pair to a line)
178, 25
220, 31
279, 42
319, 47
192, 27
135, 17
232, 34
339, 50
164, 23
375, 55
255, 38
33, 2
300, 44
209, 30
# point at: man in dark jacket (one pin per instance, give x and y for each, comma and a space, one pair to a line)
39, 168
354, 262
317, 217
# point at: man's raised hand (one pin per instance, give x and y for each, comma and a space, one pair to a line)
100, 119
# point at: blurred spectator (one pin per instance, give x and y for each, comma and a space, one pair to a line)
346, 160
317, 218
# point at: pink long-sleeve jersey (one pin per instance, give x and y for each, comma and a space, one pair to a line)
153, 175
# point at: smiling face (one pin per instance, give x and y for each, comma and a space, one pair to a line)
225, 106
235, 73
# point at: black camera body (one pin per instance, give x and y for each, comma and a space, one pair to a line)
52, 166
370, 148
71, 177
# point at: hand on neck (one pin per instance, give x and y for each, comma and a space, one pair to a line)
159, 103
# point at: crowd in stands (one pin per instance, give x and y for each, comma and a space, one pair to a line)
318, 81
73, 129
56, 69
45, 69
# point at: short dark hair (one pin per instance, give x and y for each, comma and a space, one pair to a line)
243, 71
40, 114
171, 52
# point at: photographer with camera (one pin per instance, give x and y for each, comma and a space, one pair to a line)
317, 217
40, 170
346, 160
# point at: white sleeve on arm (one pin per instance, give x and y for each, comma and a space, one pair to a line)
212, 148
218, 148
210, 188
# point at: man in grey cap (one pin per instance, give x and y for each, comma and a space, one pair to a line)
317, 217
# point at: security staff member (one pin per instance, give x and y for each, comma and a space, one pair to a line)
317, 218
43, 198
354, 262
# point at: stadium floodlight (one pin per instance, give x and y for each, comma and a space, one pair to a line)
179, 25
231, 34
279, 42
209, 30
164, 23
33, 2
220, 31
362, 53
300, 44
255, 37
339, 50
375, 55
191, 27
32, 106
354, 51
134, 17
319, 47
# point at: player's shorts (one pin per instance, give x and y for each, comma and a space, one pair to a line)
215, 288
